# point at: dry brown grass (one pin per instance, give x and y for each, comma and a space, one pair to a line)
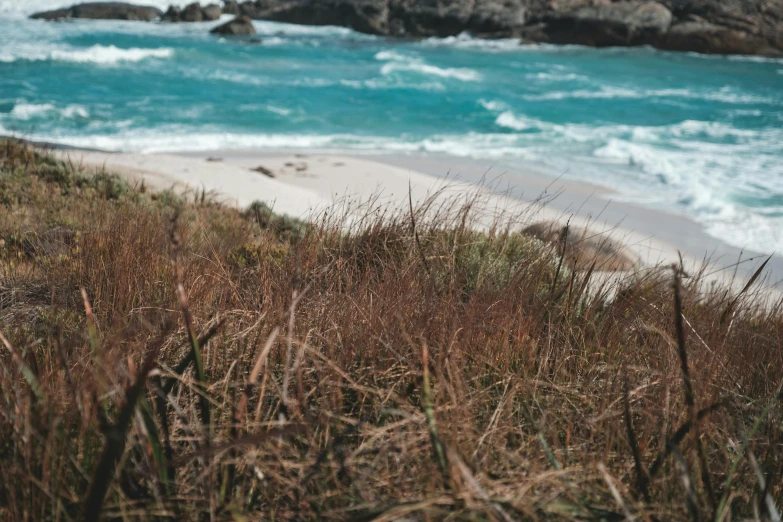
240, 366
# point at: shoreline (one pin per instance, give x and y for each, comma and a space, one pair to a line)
299, 183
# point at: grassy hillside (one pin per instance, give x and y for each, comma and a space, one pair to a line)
164, 357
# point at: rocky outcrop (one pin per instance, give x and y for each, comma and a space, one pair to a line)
193, 13
711, 26
431, 17
231, 7
705, 26
102, 11
239, 26
499, 19
707, 38
620, 23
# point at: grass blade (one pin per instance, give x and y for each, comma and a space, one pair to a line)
747, 286
115, 442
158, 453
641, 475
196, 356
719, 512
429, 412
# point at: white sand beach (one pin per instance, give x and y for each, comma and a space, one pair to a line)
301, 185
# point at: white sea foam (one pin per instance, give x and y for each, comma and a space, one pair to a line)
493, 105
509, 120
465, 75
707, 181
466, 41
107, 55
556, 77
725, 95
97, 54
382, 83
280, 111
398, 62
27, 111
713, 129
277, 28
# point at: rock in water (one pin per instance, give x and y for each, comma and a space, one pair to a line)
193, 13
498, 19
102, 11
173, 14
211, 12
365, 16
616, 24
231, 7
705, 26
432, 17
706, 38
239, 26
710, 26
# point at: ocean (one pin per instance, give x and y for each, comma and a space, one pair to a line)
697, 135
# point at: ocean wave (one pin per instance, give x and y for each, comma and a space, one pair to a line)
467, 41
265, 28
724, 95
97, 54
686, 134
715, 185
712, 129
398, 62
511, 121
280, 111
556, 77
174, 138
27, 111
493, 105
384, 83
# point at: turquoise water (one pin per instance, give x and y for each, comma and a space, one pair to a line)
702, 136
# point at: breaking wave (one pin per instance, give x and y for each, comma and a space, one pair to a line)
28, 111
97, 54
397, 62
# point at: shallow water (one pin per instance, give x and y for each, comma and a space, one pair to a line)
702, 136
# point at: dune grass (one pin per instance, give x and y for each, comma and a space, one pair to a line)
164, 357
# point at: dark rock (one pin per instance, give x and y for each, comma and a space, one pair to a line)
432, 17
211, 12
231, 7
102, 11
57, 14
239, 26
707, 38
706, 26
498, 18
734, 26
365, 16
172, 14
258, 9
619, 23
193, 13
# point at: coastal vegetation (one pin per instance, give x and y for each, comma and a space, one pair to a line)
166, 357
